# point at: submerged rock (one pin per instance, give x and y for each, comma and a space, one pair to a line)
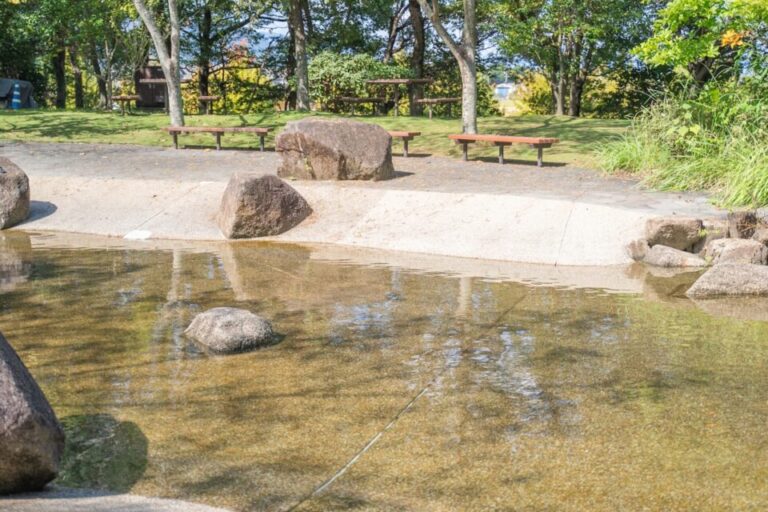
254, 206
736, 250
663, 256
319, 149
731, 280
31, 438
14, 194
231, 330
676, 232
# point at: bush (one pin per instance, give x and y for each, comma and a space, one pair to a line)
332, 75
712, 138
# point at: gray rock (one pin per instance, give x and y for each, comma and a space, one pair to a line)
731, 280
318, 149
663, 256
742, 224
231, 330
736, 250
713, 229
761, 235
676, 232
254, 206
638, 249
14, 194
31, 438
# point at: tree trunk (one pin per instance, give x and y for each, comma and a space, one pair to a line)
169, 60
561, 84
296, 19
574, 103
59, 66
101, 83
290, 69
77, 75
464, 53
417, 58
204, 61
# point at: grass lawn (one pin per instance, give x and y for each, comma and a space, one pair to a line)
580, 137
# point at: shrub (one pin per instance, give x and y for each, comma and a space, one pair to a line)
712, 138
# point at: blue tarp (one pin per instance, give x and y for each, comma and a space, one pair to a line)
6, 92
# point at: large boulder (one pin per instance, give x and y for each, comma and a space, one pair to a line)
31, 438
761, 235
663, 256
676, 232
319, 149
713, 229
254, 206
231, 330
736, 250
14, 194
731, 280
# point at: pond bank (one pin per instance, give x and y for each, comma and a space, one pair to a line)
556, 215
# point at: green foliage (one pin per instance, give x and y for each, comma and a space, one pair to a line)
332, 75
711, 138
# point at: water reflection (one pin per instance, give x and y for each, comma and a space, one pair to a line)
540, 397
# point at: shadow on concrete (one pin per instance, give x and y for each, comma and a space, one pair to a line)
40, 210
102, 453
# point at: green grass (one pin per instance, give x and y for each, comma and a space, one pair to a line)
580, 138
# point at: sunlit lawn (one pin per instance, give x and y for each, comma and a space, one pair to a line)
579, 137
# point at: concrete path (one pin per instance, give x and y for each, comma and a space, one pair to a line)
555, 215
79, 500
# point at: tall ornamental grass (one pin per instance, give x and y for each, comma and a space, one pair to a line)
712, 138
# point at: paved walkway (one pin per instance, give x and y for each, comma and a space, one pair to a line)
554, 215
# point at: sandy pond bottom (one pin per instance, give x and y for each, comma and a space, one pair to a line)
468, 394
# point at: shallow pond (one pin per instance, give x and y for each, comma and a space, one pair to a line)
392, 389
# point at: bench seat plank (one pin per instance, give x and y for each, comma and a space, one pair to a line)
217, 131
405, 136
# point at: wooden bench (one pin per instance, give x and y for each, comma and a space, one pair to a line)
538, 143
217, 132
405, 136
208, 102
359, 101
431, 102
125, 98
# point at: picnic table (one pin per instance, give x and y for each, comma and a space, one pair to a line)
122, 99
396, 83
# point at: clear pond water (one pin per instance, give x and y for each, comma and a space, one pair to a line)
392, 390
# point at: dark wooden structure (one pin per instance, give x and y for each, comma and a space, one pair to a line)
150, 86
395, 83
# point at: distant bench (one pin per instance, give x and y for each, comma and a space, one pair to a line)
538, 143
217, 132
431, 102
359, 101
405, 136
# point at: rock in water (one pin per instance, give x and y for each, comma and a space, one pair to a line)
318, 149
736, 250
676, 232
230, 330
663, 256
31, 438
14, 194
731, 280
254, 206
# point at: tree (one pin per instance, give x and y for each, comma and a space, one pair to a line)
705, 36
569, 41
464, 52
296, 22
169, 59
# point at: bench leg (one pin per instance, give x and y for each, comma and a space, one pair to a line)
429, 107
218, 141
261, 143
465, 144
175, 140
540, 157
501, 154
405, 148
